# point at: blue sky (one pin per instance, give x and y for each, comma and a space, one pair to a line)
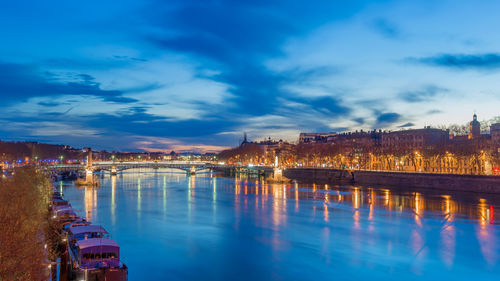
196, 74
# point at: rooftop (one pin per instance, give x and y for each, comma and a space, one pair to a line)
79, 229
93, 242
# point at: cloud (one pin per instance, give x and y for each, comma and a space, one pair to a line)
326, 104
385, 28
434, 111
137, 121
359, 120
20, 82
120, 129
49, 103
48, 129
386, 119
154, 144
427, 93
229, 45
487, 61
409, 124
237, 37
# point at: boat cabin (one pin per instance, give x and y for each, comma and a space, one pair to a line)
98, 253
59, 202
67, 212
78, 222
65, 216
85, 232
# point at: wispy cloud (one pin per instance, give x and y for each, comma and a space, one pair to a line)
387, 119
406, 125
20, 82
167, 145
427, 93
385, 28
487, 61
237, 37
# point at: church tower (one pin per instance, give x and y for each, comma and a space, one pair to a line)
475, 128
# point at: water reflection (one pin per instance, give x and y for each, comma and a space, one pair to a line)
113, 200
418, 208
296, 188
190, 194
139, 196
487, 241
279, 204
164, 195
325, 205
448, 232
90, 202
291, 229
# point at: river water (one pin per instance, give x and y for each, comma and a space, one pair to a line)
176, 227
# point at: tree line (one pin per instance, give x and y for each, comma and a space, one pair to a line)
12, 151
470, 157
24, 200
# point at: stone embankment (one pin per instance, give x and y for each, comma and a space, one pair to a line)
473, 183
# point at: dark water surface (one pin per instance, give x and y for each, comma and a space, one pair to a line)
176, 227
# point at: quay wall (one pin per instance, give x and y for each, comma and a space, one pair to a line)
473, 183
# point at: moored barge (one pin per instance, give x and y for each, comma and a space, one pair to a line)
92, 254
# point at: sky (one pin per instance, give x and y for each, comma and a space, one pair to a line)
194, 75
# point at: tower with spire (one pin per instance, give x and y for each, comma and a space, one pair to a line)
474, 128
245, 139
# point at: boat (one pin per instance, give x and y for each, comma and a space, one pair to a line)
97, 259
92, 254
65, 216
78, 222
83, 232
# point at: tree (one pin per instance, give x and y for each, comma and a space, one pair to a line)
24, 202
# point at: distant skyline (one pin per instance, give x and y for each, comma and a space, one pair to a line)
195, 74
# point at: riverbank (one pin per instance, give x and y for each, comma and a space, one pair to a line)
471, 183
24, 200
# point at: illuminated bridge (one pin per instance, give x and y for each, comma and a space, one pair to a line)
114, 167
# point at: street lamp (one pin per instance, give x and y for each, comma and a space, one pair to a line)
61, 158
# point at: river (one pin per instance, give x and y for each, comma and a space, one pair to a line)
176, 227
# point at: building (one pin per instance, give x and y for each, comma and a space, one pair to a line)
428, 150
315, 137
415, 139
495, 134
475, 128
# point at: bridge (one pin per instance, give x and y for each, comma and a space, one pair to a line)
191, 167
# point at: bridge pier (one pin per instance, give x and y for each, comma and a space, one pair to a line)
277, 173
114, 170
89, 175
192, 170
